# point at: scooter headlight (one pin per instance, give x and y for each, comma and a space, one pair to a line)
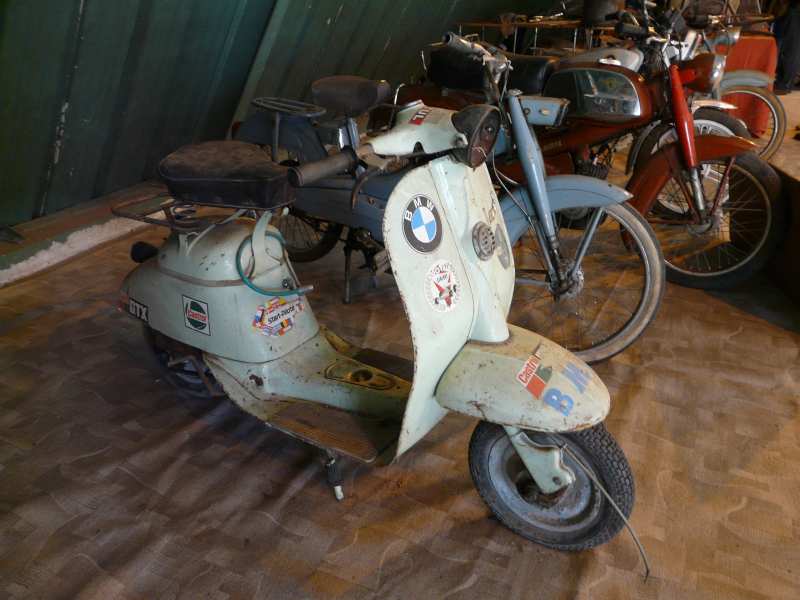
480, 124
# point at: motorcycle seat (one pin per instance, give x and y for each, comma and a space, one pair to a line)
226, 173
349, 95
530, 73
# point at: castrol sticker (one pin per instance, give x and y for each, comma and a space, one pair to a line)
533, 375
442, 287
277, 317
195, 315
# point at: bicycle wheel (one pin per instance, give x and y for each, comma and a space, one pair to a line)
613, 296
733, 242
767, 131
307, 239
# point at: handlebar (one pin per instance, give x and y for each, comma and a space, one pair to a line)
320, 169
629, 30
456, 42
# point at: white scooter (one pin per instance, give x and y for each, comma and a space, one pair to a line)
226, 312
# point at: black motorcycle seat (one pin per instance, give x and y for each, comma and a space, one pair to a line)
530, 73
226, 173
451, 69
349, 95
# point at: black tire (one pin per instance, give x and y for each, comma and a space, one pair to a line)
182, 376
509, 492
711, 116
530, 307
761, 177
777, 112
307, 238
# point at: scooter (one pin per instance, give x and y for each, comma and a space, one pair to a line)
562, 274
222, 296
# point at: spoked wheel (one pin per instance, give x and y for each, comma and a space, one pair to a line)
763, 113
707, 121
183, 366
575, 518
307, 238
734, 241
612, 297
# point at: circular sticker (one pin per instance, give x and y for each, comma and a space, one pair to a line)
442, 287
422, 225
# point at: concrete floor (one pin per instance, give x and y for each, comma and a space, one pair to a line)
112, 487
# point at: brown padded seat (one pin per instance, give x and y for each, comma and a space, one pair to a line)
226, 173
349, 95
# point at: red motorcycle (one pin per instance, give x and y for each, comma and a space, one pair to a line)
713, 203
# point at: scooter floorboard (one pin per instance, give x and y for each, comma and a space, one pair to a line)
363, 438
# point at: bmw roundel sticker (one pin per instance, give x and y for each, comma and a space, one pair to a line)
422, 225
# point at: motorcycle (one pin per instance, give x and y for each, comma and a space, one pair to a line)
713, 203
226, 310
563, 275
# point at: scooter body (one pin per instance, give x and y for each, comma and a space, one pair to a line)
274, 360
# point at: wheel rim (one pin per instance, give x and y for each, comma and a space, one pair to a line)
301, 233
726, 241
570, 513
701, 127
610, 295
762, 139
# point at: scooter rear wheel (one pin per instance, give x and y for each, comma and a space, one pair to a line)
307, 239
576, 518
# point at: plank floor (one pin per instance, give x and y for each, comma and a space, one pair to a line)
111, 487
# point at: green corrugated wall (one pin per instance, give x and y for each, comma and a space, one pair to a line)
94, 92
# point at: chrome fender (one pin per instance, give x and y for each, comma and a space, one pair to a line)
744, 77
563, 191
527, 382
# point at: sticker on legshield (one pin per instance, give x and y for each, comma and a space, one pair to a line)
442, 287
277, 316
534, 375
422, 225
195, 315
419, 116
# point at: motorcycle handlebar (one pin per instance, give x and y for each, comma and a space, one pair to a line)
314, 171
456, 42
628, 30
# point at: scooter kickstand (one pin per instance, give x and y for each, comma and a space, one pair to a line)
334, 475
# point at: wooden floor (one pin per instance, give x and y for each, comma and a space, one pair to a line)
111, 487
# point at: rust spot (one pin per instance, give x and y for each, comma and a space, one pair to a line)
256, 379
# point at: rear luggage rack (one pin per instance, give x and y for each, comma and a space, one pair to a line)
287, 106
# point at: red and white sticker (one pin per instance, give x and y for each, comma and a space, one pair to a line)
442, 287
277, 316
420, 115
533, 375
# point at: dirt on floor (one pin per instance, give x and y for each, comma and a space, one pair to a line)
113, 487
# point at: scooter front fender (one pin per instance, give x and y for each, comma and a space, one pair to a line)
564, 191
647, 182
527, 382
744, 77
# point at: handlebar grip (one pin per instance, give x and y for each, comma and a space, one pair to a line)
456, 42
628, 30
320, 169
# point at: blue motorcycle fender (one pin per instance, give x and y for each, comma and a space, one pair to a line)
527, 382
563, 191
744, 77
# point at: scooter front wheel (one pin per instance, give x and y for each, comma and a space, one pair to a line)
578, 517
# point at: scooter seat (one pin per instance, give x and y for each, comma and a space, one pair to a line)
349, 95
226, 173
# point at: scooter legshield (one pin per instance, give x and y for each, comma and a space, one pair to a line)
527, 382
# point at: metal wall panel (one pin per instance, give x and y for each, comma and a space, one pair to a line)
93, 93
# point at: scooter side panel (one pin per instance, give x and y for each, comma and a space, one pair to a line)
435, 288
527, 382
564, 191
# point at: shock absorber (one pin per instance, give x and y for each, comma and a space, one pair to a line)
684, 123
